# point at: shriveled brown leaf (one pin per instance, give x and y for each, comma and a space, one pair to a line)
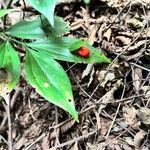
108, 97
144, 115
64, 128
109, 77
92, 34
4, 80
129, 140
129, 114
88, 70
124, 40
134, 23
107, 34
74, 146
146, 91
20, 143
137, 78
45, 142
138, 138
91, 146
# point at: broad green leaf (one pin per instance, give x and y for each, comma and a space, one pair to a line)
65, 49
3, 12
60, 27
54, 48
27, 30
45, 7
9, 60
38, 28
50, 80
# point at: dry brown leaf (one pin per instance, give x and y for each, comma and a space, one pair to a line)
138, 138
115, 3
74, 146
45, 142
15, 17
77, 24
138, 45
124, 40
104, 123
4, 80
91, 146
64, 128
92, 34
108, 97
20, 143
129, 114
109, 77
137, 76
129, 140
144, 115
88, 70
146, 91
107, 34
143, 2
100, 32
134, 23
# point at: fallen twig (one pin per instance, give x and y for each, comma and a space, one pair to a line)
73, 140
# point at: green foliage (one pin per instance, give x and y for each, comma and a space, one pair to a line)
43, 40
45, 7
63, 49
27, 30
49, 80
38, 28
9, 60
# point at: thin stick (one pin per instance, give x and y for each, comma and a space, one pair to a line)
140, 67
37, 140
73, 140
118, 15
113, 121
10, 143
13, 100
131, 97
90, 108
122, 133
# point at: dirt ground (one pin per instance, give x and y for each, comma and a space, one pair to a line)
113, 100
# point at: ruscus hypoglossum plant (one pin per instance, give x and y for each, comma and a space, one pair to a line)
44, 42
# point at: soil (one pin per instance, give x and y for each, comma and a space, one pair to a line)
113, 100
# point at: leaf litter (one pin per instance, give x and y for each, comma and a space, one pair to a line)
121, 29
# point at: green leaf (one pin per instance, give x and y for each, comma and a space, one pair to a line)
27, 29
9, 60
50, 80
65, 49
54, 48
3, 12
45, 7
38, 28
60, 27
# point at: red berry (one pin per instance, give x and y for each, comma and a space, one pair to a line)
83, 52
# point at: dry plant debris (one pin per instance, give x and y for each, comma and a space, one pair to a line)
113, 101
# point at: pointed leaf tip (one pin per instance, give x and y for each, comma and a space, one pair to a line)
50, 80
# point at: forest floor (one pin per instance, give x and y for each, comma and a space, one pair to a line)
113, 100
